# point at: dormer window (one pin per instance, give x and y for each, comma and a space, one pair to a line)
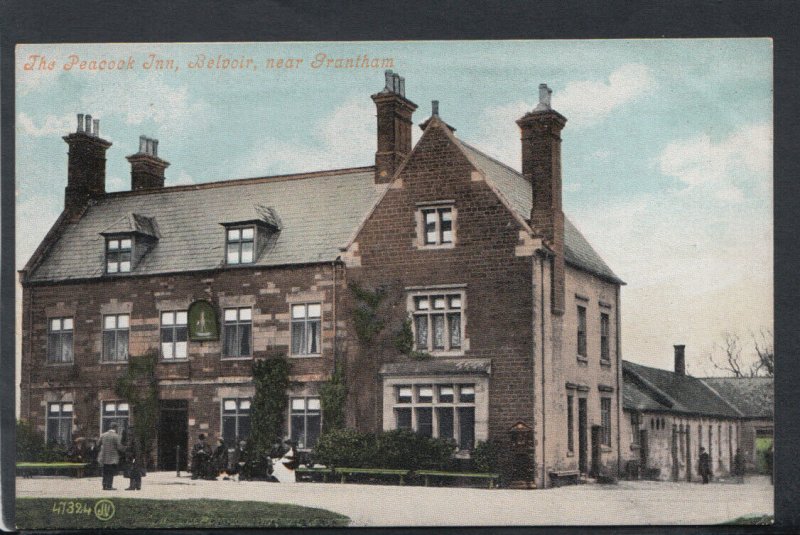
240, 245
118, 254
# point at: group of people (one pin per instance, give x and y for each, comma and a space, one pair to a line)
208, 462
113, 451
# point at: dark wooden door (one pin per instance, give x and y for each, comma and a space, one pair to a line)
583, 439
173, 433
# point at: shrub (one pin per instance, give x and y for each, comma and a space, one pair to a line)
32, 447
345, 447
404, 449
485, 457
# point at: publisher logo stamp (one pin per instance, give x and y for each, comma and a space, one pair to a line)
104, 510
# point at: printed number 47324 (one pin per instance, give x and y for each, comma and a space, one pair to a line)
71, 508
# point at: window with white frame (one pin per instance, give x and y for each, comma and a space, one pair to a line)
605, 421
238, 332
235, 420
59, 340
115, 337
605, 353
174, 335
59, 423
115, 411
438, 225
305, 421
118, 255
306, 329
240, 245
437, 410
437, 322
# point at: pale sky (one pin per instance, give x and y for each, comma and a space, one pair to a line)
667, 152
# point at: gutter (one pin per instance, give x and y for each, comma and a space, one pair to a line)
542, 343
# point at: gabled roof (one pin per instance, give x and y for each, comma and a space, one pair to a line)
518, 192
316, 213
646, 388
314, 216
754, 397
132, 223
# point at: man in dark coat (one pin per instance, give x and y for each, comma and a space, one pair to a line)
135, 461
201, 455
704, 464
110, 448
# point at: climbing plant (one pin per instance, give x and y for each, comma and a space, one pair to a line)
268, 410
333, 396
139, 387
404, 342
366, 317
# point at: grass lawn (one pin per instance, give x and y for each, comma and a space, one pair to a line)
753, 520
83, 513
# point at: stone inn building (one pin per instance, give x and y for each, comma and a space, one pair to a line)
511, 319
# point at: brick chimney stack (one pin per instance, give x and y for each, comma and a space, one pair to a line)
147, 169
394, 126
680, 360
86, 171
541, 165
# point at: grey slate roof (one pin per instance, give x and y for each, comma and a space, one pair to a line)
438, 366
754, 397
669, 391
317, 215
517, 191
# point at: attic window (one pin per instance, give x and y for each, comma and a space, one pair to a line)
118, 254
438, 225
240, 244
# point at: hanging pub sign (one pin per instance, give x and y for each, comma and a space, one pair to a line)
203, 324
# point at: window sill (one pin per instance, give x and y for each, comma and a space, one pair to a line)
584, 360
435, 246
570, 454
116, 362
605, 449
235, 358
452, 353
606, 363
309, 356
635, 447
239, 265
172, 361
59, 364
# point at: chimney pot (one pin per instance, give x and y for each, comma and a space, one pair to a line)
142, 144
680, 359
155, 147
149, 146
80, 123
402, 87
434, 108
388, 76
88, 119
96, 127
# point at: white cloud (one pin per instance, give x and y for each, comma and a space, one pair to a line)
345, 138
585, 102
183, 179
51, 125
34, 216
143, 99
725, 169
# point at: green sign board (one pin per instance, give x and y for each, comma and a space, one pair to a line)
203, 324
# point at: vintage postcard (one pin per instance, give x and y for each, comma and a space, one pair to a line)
394, 283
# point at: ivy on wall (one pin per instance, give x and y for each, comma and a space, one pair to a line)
366, 317
333, 396
139, 387
268, 410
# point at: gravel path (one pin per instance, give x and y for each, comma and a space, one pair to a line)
639, 502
